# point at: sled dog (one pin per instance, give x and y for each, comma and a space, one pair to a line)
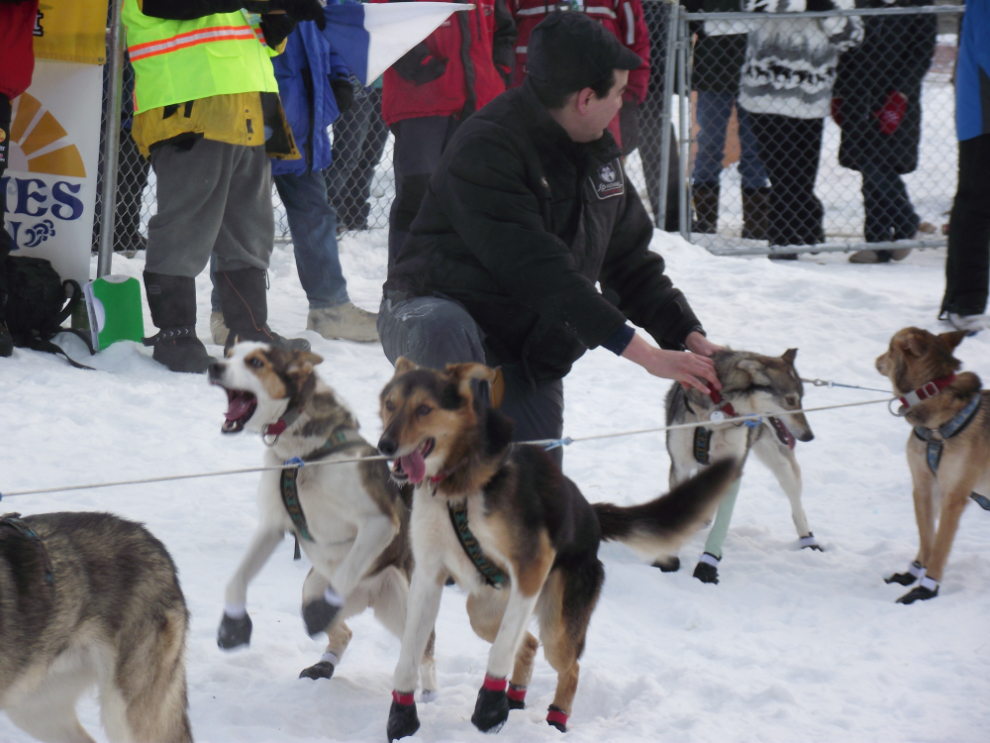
513, 532
349, 518
751, 383
89, 599
949, 450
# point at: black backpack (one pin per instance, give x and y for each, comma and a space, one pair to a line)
38, 302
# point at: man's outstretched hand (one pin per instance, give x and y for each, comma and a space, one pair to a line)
691, 369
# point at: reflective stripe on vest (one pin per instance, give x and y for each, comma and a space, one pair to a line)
180, 61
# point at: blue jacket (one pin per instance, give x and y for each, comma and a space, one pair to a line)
303, 85
973, 72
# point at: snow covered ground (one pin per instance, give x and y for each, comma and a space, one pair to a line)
790, 646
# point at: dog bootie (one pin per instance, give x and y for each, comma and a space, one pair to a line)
707, 568
491, 710
928, 589
322, 670
915, 570
517, 696
402, 718
668, 564
557, 718
234, 631
810, 543
344, 322
318, 614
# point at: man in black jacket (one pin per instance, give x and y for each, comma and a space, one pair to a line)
529, 208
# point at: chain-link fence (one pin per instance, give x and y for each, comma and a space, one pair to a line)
782, 174
804, 131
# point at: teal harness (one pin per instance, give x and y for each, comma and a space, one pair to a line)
340, 439
494, 576
15, 522
936, 439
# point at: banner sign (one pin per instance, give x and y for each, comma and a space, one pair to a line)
71, 31
54, 152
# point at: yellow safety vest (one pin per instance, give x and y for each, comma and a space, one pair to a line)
179, 61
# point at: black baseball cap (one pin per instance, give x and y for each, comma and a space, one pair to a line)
571, 50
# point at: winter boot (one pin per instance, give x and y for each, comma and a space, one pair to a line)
172, 300
345, 321
218, 328
6, 340
244, 300
706, 209
756, 208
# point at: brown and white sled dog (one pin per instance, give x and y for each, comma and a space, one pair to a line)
948, 451
513, 532
349, 518
751, 383
89, 599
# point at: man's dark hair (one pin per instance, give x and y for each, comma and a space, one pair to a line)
554, 96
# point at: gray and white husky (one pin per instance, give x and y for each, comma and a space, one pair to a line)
89, 599
751, 383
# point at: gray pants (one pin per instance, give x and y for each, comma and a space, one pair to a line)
434, 332
212, 198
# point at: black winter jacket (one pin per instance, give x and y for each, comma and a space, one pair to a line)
518, 224
895, 56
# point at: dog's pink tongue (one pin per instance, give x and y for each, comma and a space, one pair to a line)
238, 407
414, 465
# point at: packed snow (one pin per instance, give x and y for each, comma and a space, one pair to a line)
792, 645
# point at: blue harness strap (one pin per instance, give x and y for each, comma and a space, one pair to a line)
339, 439
954, 427
492, 573
15, 522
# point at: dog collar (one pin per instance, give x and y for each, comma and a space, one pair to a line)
278, 427
926, 391
723, 407
14, 521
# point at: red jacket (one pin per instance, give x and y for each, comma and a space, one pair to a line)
624, 18
16, 46
459, 68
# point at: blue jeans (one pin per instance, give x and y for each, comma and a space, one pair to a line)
889, 213
714, 111
313, 225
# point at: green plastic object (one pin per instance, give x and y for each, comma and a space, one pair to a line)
113, 304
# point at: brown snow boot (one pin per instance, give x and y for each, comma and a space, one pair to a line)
756, 209
706, 209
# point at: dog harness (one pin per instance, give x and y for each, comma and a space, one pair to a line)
936, 437
340, 439
703, 437
492, 573
14, 521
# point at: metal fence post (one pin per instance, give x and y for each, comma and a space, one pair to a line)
684, 126
111, 141
666, 119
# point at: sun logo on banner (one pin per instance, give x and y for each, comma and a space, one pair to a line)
39, 144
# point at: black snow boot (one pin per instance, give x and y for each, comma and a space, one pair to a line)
172, 300
244, 300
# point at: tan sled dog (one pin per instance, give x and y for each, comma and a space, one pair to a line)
513, 532
349, 518
949, 449
89, 599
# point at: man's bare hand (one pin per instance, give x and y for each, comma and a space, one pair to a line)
690, 369
697, 343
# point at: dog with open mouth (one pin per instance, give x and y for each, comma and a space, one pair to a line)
517, 535
948, 451
751, 383
349, 516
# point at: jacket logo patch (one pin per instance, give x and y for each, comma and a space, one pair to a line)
609, 181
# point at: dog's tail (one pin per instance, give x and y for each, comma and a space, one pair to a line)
662, 525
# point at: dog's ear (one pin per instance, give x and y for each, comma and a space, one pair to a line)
954, 338
915, 342
403, 365
301, 364
789, 355
756, 372
463, 374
